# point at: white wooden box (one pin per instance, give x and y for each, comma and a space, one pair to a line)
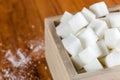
59, 62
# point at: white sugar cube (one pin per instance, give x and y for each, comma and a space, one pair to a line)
99, 26
64, 30
89, 15
113, 59
103, 47
117, 46
77, 62
115, 50
118, 29
112, 37
100, 9
97, 51
87, 37
106, 19
72, 44
66, 16
87, 55
114, 19
94, 65
80, 32
77, 22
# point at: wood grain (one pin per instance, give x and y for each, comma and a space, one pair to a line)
22, 23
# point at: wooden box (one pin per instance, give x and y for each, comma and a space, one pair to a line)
59, 62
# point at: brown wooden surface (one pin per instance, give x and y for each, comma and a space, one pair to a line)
22, 23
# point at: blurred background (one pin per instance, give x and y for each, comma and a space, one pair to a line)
22, 53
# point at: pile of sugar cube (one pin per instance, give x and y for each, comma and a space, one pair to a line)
91, 37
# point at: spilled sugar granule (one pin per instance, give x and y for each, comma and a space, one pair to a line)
0, 44
45, 67
33, 26
37, 48
17, 63
19, 66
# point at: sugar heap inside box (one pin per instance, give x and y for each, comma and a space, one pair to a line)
91, 37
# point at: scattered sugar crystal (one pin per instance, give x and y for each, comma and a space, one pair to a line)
33, 26
46, 68
37, 49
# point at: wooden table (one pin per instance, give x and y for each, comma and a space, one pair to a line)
22, 30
